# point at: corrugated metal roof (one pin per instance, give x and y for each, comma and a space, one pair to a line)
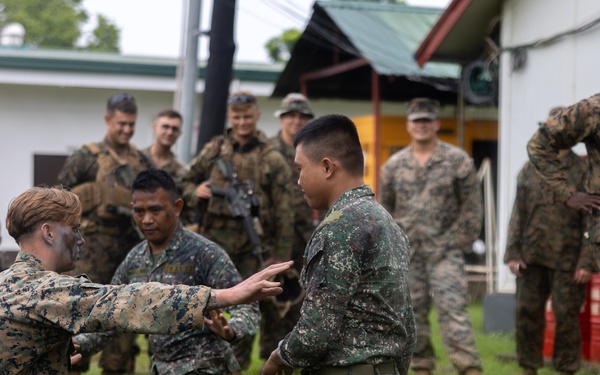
387, 35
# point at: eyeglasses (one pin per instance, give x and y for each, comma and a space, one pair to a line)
241, 98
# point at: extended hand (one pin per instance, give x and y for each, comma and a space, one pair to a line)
584, 202
275, 366
252, 289
218, 324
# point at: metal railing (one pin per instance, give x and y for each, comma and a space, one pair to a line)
484, 175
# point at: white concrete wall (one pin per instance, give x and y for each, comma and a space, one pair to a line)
560, 73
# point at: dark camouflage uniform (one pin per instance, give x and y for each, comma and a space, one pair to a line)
577, 123
267, 169
547, 236
40, 310
357, 308
189, 259
106, 241
439, 207
176, 170
303, 228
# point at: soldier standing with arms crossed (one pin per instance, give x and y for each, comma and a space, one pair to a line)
546, 251
242, 157
432, 191
101, 174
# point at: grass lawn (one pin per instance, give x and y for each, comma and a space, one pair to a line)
496, 350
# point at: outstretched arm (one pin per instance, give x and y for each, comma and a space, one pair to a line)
254, 288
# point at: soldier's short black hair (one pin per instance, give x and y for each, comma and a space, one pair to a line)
122, 102
153, 179
335, 136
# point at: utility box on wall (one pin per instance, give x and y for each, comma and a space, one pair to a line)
393, 137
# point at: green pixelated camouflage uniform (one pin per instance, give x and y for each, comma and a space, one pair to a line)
176, 170
41, 310
303, 228
357, 309
267, 169
189, 259
439, 206
547, 236
577, 123
106, 241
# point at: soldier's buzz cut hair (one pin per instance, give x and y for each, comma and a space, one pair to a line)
168, 113
153, 179
122, 102
333, 136
41, 204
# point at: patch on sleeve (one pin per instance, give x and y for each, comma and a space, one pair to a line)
332, 217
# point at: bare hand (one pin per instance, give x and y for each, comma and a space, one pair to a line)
584, 202
582, 276
252, 289
218, 324
75, 355
275, 366
203, 190
515, 267
272, 260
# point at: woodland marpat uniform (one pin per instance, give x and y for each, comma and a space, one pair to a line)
41, 310
577, 123
439, 207
357, 308
548, 237
189, 259
264, 167
107, 240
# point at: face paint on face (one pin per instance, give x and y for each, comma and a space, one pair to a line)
68, 247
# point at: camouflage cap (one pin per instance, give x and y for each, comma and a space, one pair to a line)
422, 108
295, 102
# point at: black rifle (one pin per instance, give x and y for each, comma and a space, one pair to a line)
242, 204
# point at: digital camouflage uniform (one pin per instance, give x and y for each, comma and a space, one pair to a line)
357, 308
303, 228
439, 207
189, 259
176, 170
577, 123
106, 241
41, 310
548, 236
267, 170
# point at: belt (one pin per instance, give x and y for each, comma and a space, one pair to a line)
363, 369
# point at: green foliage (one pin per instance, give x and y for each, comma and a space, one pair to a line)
280, 47
57, 24
105, 36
